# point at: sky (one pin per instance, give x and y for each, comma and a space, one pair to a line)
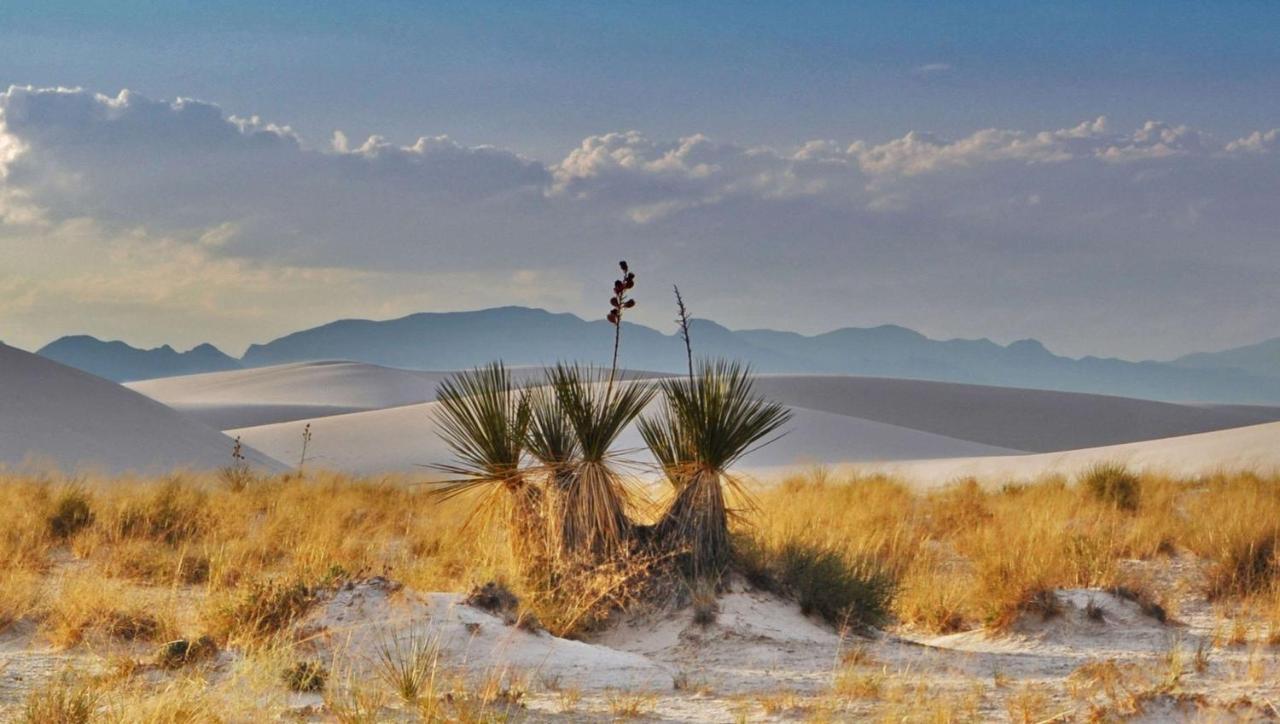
1101, 176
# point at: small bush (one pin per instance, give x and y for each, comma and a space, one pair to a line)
1248, 566
89, 606
822, 581
71, 514
179, 653
175, 513
1113, 484
306, 677
495, 598
260, 610
706, 609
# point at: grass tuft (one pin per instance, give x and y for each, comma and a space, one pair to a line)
1113, 484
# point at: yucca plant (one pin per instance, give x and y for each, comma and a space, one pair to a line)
593, 498
554, 445
707, 424
484, 418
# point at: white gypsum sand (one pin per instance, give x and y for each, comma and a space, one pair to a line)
53, 414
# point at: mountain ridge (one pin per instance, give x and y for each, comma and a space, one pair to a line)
121, 362
532, 336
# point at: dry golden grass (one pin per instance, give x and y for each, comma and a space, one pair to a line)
969, 555
137, 562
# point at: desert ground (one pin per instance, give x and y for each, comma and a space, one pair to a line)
906, 551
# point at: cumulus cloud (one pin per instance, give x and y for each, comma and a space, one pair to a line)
1000, 231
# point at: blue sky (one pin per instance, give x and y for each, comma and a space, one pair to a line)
1091, 174
538, 77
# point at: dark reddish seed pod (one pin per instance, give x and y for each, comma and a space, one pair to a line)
618, 287
622, 265
630, 283
630, 303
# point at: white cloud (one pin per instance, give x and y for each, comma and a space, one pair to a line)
1256, 142
1024, 230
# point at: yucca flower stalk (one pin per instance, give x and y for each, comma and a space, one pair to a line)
592, 508
484, 418
618, 303
707, 424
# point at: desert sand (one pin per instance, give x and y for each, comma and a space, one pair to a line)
57, 416
403, 439
1251, 448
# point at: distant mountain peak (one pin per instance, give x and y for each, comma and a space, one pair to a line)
121, 362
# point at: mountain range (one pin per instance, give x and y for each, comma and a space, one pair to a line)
118, 361
525, 336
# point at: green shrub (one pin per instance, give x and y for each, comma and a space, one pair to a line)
1113, 484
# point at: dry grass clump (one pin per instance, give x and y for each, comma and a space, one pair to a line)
20, 595
1112, 483
87, 606
305, 677
64, 699
71, 513
259, 611
847, 593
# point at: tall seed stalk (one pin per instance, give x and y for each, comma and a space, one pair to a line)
617, 303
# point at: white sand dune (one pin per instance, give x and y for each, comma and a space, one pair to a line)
1011, 418
298, 391
367, 419
240, 398
404, 438
1253, 448
51, 414
1021, 419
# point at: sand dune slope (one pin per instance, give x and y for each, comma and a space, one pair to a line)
1021, 419
404, 438
1012, 418
239, 398
1253, 448
50, 413
280, 393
